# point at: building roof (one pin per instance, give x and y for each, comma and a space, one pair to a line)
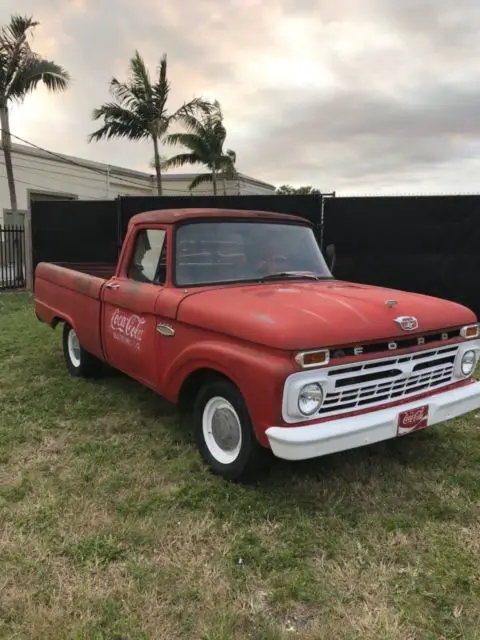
114, 169
190, 176
88, 164
170, 216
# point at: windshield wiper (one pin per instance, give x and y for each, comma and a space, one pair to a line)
284, 275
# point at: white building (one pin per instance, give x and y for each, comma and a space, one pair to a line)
45, 175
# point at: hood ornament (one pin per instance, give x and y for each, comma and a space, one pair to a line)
390, 303
407, 323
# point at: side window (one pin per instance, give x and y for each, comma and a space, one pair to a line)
148, 262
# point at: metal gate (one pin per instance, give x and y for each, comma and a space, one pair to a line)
12, 257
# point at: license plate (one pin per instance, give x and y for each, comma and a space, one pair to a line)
412, 420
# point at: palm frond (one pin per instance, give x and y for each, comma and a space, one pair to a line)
118, 123
227, 165
200, 179
161, 88
33, 70
232, 155
136, 94
123, 94
19, 26
205, 137
188, 140
180, 160
21, 69
192, 114
140, 74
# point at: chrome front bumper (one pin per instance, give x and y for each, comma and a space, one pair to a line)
322, 438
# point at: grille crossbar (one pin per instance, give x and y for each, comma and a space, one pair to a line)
390, 379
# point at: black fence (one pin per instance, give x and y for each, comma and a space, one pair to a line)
75, 231
91, 232
308, 207
424, 244
12, 257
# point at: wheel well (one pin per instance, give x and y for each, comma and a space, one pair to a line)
192, 385
56, 321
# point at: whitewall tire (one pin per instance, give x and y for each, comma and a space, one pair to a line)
224, 432
79, 362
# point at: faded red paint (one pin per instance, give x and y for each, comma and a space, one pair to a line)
248, 332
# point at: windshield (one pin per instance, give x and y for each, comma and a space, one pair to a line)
209, 252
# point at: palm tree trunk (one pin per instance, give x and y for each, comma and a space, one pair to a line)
7, 152
214, 181
158, 170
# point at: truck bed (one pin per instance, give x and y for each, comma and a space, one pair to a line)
74, 296
98, 269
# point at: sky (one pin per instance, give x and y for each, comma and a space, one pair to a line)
353, 96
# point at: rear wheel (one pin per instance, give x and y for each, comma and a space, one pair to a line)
80, 363
224, 432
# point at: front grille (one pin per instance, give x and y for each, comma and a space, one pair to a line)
366, 384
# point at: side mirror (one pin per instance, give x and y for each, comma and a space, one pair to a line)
330, 256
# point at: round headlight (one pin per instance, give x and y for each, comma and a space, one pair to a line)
469, 360
310, 399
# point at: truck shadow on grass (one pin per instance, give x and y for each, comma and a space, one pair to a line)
432, 454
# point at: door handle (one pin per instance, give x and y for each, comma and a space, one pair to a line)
112, 285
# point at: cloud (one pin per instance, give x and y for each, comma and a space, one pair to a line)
353, 95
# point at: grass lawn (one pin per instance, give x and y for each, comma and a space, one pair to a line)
111, 528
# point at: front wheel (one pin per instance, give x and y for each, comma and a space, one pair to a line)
79, 362
224, 432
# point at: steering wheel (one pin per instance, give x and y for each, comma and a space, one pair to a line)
262, 266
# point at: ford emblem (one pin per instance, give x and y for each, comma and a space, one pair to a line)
407, 323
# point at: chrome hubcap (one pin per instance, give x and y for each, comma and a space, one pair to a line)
74, 348
222, 430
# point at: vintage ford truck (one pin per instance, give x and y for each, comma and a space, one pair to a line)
236, 316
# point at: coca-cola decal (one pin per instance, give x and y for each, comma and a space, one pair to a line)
412, 420
127, 328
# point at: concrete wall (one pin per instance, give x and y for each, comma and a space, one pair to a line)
174, 185
40, 174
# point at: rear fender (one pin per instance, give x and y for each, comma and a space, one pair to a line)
52, 316
62, 294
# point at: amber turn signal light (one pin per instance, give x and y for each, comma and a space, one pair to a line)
470, 332
308, 359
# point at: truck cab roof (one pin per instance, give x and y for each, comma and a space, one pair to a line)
173, 216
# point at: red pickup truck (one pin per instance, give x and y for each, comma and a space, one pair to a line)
236, 316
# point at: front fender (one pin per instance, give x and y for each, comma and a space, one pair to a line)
259, 374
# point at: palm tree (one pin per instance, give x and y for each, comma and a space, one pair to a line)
229, 173
204, 142
21, 69
287, 190
140, 109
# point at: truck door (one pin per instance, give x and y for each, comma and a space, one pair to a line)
128, 318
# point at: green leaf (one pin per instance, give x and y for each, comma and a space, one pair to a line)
119, 123
200, 179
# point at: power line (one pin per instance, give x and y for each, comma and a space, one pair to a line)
71, 160
29, 184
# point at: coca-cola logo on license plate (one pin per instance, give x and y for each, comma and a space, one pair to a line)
127, 328
412, 420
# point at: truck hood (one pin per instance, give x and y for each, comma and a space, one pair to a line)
309, 315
